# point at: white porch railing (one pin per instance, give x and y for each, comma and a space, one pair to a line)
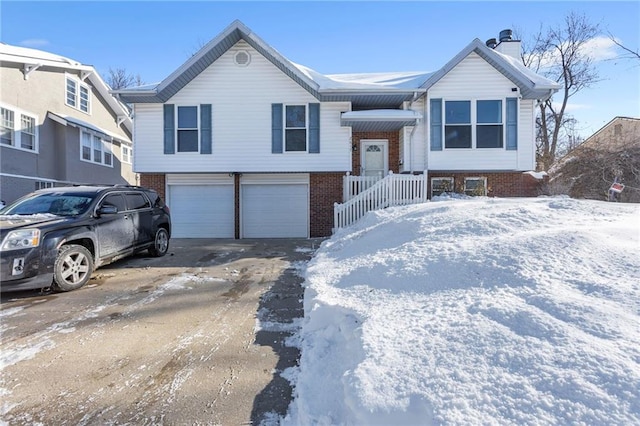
393, 190
354, 185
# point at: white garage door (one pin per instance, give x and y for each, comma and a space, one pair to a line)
202, 211
279, 210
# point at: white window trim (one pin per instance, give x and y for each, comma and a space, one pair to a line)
17, 129
480, 178
197, 129
104, 143
285, 128
128, 156
474, 123
450, 179
78, 84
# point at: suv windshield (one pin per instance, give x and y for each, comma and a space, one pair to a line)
57, 204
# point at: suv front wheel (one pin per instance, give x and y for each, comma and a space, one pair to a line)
161, 243
73, 267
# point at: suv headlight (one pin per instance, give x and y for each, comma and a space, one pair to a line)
20, 239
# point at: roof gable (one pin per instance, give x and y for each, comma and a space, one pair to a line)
531, 85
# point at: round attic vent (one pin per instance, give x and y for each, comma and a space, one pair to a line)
242, 58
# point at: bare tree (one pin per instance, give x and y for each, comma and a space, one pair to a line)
629, 53
119, 78
560, 53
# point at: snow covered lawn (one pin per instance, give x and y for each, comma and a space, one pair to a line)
474, 311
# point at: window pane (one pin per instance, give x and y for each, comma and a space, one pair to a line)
489, 137
114, 200
188, 117
28, 136
441, 185
296, 116
86, 146
27, 141
97, 150
136, 201
84, 99
187, 141
457, 136
71, 92
490, 112
457, 112
296, 140
6, 126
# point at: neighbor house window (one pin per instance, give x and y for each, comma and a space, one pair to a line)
6, 126
127, 154
95, 149
78, 95
441, 185
475, 186
44, 185
187, 129
295, 132
489, 124
457, 129
18, 129
28, 132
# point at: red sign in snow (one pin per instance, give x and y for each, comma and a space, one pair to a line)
616, 187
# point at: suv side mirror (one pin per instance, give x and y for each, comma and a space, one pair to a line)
107, 209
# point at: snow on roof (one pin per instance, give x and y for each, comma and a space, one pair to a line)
382, 114
24, 54
540, 82
365, 81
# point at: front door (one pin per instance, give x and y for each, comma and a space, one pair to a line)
374, 158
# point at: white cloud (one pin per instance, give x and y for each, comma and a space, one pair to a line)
34, 42
598, 49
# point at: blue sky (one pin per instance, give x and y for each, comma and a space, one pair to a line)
153, 38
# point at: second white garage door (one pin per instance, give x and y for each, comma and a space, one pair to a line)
275, 210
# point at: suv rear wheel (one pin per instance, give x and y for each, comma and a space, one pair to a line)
73, 267
161, 243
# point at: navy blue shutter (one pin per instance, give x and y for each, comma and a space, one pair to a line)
169, 132
205, 129
512, 123
276, 128
314, 128
436, 124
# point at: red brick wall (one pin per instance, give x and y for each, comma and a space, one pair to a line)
324, 190
394, 149
155, 181
499, 184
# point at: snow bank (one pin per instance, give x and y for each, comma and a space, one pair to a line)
474, 311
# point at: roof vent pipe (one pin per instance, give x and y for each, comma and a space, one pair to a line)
491, 43
505, 35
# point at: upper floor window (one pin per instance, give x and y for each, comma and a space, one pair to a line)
78, 95
94, 149
18, 129
457, 124
187, 129
127, 154
489, 124
295, 132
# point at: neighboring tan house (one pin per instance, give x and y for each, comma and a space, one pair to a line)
59, 125
244, 143
589, 169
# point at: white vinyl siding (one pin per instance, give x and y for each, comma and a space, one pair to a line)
202, 206
241, 99
474, 79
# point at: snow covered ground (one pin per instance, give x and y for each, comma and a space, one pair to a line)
474, 311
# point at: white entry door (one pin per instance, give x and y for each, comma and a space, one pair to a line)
374, 158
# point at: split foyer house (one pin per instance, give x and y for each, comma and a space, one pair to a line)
244, 143
59, 125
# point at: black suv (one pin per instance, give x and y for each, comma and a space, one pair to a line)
57, 237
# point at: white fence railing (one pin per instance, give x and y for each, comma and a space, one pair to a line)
354, 185
393, 190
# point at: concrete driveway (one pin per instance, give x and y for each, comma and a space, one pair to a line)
197, 337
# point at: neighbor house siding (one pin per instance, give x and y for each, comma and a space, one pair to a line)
241, 98
475, 79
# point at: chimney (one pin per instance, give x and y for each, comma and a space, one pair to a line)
507, 45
